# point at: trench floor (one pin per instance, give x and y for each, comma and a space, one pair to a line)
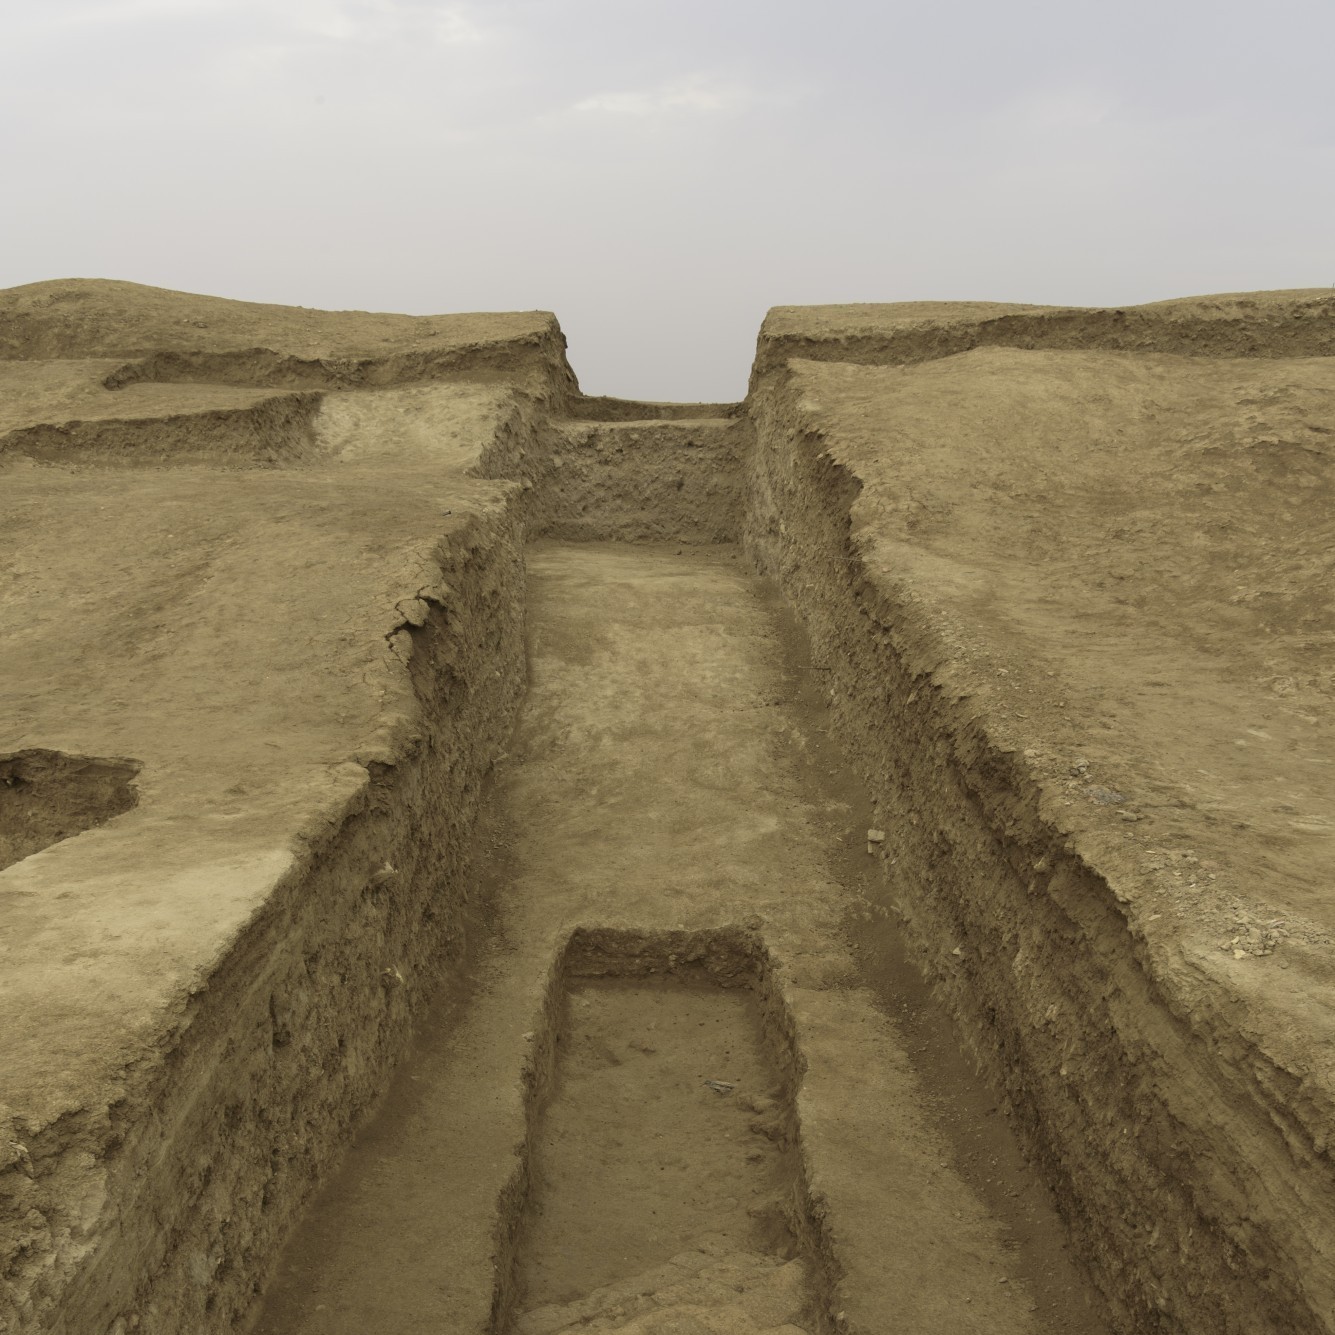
670, 771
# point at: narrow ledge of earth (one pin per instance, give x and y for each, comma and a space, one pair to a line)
484, 859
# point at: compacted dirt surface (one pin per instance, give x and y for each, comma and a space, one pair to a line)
1141, 549
475, 858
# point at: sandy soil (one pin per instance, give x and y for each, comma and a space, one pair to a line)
230, 608
183, 656
104, 318
64, 391
1140, 554
1065, 577
1295, 323
1086, 594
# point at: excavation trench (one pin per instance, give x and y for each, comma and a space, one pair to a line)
663, 1149
673, 1080
617, 867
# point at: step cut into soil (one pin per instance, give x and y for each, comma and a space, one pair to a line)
46, 796
663, 1168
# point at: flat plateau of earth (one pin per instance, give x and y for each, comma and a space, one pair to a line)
1130, 559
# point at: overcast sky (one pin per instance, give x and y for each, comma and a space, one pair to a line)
659, 172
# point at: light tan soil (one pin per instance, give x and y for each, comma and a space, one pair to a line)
104, 318
656, 782
638, 1158
1131, 533
1298, 323
1085, 596
200, 995
59, 392
1066, 579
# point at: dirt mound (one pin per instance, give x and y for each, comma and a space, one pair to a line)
94, 317
1299, 323
180, 337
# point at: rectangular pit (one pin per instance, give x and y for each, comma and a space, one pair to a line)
664, 1151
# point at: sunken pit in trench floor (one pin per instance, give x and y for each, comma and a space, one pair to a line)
664, 1173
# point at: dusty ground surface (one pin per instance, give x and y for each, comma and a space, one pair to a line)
105, 318
1139, 553
66, 390
1293, 323
226, 632
214, 591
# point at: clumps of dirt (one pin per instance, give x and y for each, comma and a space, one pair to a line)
47, 796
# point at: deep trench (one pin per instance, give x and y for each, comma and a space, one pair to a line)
725, 781
687, 1063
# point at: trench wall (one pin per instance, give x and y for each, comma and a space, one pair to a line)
1297, 325
1167, 1135
537, 359
277, 429
624, 471
202, 1167
656, 481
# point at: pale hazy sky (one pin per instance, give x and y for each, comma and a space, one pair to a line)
660, 173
